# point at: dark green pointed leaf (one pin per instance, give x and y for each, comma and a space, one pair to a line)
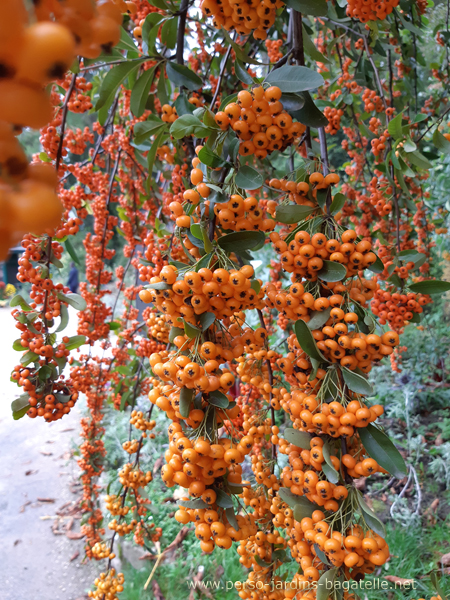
419, 160
197, 503
210, 158
301, 439
75, 300
175, 332
142, 131
248, 178
169, 32
328, 468
140, 92
433, 286
183, 106
241, 240
71, 250
113, 79
184, 126
18, 300
318, 318
441, 142
395, 127
316, 8
292, 78
223, 499
180, 75
306, 341
20, 403
160, 285
75, 342
292, 213
190, 330
332, 271
297, 503
310, 115
322, 556
380, 447
377, 267
29, 357
231, 516
186, 396
370, 517
338, 203
206, 320
241, 72
357, 383
292, 102
310, 47
18, 346
218, 399
326, 584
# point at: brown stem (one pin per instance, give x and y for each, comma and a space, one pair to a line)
181, 31
64, 120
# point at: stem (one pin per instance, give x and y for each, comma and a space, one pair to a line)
221, 74
181, 32
64, 120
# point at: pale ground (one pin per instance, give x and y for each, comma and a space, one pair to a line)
35, 463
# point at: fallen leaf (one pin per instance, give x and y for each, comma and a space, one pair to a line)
439, 440
48, 500
68, 429
398, 580
157, 593
30, 472
445, 560
17, 542
360, 484
74, 556
46, 452
74, 535
69, 524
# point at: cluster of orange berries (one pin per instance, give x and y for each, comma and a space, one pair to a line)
372, 10
260, 122
334, 119
243, 17
132, 477
274, 49
221, 292
157, 327
100, 551
243, 214
396, 308
304, 255
139, 422
108, 585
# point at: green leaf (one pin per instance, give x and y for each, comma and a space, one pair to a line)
292, 213
310, 115
162, 87
419, 160
248, 178
318, 318
160, 285
29, 357
328, 468
326, 584
218, 399
255, 285
113, 79
436, 585
20, 403
408, 146
209, 158
184, 126
71, 250
310, 48
338, 203
140, 92
75, 342
169, 32
332, 271
395, 127
126, 41
316, 8
241, 72
190, 330
18, 300
241, 240
292, 102
186, 396
197, 503
75, 300
113, 325
175, 332
183, 106
151, 156
357, 383
45, 372
322, 556
441, 142
18, 346
294, 501
432, 286
410, 256
306, 341
380, 447
180, 75
377, 267
223, 499
142, 131
370, 517
228, 100
301, 439
292, 78
18, 414
231, 516
206, 320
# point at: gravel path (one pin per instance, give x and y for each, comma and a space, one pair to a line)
35, 464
